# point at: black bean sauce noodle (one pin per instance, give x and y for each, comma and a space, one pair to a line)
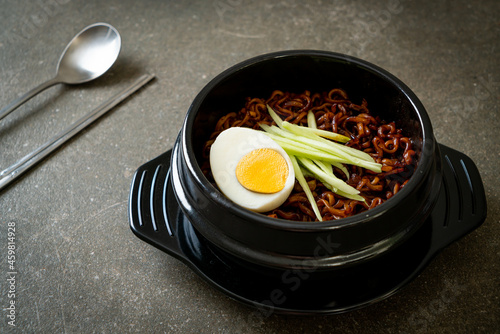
333, 111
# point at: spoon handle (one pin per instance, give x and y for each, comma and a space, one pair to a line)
20, 100
11, 173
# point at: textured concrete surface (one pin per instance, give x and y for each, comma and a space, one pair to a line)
79, 268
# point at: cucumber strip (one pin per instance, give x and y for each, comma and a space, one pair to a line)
331, 179
306, 132
274, 116
342, 168
321, 133
290, 140
354, 197
329, 134
303, 183
325, 167
311, 123
313, 128
311, 148
298, 149
305, 140
323, 145
311, 120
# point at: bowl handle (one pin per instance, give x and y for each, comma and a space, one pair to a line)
154, 212
462, 199
151, 215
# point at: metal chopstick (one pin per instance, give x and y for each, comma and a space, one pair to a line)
13, 172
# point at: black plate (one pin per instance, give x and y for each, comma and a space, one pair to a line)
156, 218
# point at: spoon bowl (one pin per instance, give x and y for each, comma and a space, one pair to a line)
88, 56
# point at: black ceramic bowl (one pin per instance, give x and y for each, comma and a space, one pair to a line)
287, 244
197, 215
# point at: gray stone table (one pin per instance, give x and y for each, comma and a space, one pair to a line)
79, 268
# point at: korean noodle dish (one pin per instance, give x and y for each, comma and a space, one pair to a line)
309, 156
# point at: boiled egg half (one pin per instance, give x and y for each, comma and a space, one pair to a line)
251, 169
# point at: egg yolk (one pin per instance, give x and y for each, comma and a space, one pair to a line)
263, 170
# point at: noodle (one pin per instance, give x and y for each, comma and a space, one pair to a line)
333, 111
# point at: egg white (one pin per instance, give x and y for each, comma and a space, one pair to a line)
230, 146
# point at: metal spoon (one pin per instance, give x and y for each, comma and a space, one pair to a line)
89, 54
